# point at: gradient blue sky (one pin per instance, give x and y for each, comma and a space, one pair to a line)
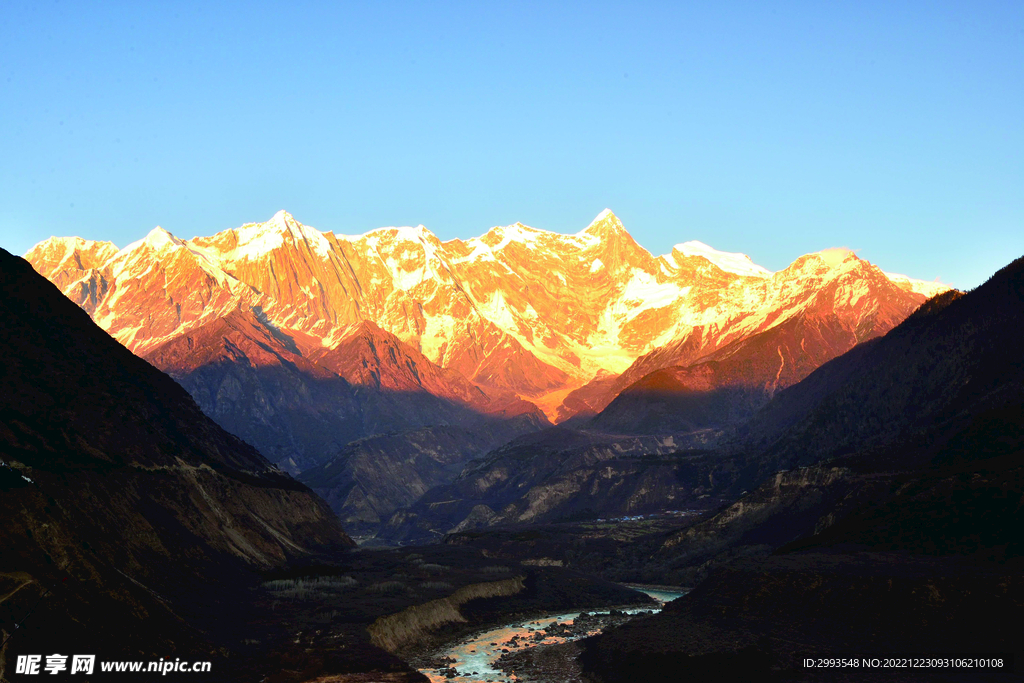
893, 128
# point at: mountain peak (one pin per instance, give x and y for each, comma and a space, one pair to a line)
834, 256
55, 247
605, 228
923, 287
159, 234
364, 327
604, 221
420, 234
55, 253
254, 240
283, 220
730, 262
500, 236
831, 263
158, 239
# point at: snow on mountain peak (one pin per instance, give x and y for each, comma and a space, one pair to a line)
64, 242
923, 287
56, 253
257, 239
284, 222
397, 234
517, 232
606, 226
158, 239
605, 219
833, 256
55, 247
730, 262
475, 306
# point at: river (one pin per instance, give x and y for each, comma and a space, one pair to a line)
474, 659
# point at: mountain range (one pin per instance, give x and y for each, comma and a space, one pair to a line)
302, 342
516, 310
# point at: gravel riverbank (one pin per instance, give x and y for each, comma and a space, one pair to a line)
538, 650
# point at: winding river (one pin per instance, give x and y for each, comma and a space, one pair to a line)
474, 658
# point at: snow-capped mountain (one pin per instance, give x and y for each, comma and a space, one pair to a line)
517, 311
779, 330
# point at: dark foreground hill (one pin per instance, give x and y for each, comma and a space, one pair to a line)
125, 510
895, 525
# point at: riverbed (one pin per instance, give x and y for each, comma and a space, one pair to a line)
475, 659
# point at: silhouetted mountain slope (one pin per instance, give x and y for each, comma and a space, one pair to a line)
923, 425
759, 620
125, 508
903, 513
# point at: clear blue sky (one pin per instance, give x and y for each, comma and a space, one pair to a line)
769, 128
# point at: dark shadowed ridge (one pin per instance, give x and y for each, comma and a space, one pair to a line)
129, 516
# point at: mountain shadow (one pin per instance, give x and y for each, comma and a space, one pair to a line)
301, 404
